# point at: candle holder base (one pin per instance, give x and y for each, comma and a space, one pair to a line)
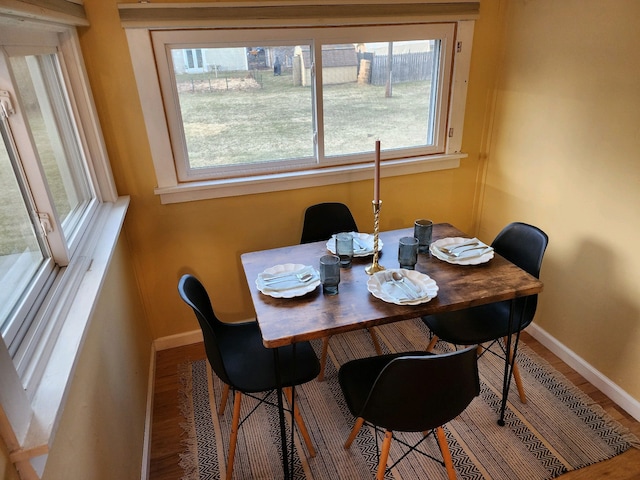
375, 266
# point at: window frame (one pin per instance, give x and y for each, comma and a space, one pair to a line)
140, 23
315, 38
32, 396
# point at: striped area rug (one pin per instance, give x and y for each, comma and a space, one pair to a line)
558, 430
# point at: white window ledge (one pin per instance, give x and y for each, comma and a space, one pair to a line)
308, 178
51, 392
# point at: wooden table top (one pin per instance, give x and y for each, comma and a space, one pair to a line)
287, 320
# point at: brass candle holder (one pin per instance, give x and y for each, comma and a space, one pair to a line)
375, 266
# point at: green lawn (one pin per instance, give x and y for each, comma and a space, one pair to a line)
239, 119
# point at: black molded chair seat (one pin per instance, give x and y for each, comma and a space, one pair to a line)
250, 367
410, 392
479, 324
241, 361
358, 376
523, 245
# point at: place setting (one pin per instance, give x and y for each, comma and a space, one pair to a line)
461, 251
362, 243
288, 280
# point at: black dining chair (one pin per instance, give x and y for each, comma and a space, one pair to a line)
240, 360
410, 392
321, 221
523, 245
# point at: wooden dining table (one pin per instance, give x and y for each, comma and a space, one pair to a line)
285, 321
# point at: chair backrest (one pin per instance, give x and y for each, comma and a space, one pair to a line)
324, 219
523, 245
419, 393
195, 295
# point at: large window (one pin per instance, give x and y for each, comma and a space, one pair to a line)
299, 100
286, 107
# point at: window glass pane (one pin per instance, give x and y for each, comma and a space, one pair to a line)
20, 251
243, 105
47, 110
382, 91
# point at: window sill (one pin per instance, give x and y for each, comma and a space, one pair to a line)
192, 191
51, 392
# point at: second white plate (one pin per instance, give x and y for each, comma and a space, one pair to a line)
287, 289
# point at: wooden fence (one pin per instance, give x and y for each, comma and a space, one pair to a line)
406, 67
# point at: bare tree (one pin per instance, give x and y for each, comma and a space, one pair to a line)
388, 93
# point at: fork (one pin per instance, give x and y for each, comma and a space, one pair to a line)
303, 277
450, 250
481, 247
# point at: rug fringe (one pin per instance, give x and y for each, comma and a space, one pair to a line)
189, 458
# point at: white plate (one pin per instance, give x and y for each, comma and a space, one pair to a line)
381, 286
287, 289
364, 239
474, 258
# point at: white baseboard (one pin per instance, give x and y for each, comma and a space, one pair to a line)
146, 446
596, 378
178, 340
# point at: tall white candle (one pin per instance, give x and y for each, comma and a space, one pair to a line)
376, 175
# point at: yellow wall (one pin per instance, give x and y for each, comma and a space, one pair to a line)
102, 427
207, 237
564, 156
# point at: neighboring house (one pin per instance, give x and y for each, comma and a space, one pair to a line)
201, 60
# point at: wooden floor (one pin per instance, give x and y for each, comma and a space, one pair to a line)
166, 433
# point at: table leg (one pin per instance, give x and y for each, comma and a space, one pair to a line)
283, 429
509, 362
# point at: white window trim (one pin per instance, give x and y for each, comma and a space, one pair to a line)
140, 19
29, 419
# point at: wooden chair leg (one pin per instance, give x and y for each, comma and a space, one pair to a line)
234, 433
374, 339
323, 358
446, 454
223, 399
384, 455
432, 343
517, 377
354, 432
300, 422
